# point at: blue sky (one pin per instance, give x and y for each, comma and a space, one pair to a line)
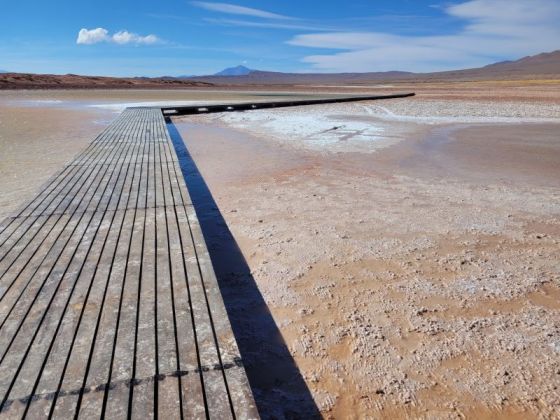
181, 37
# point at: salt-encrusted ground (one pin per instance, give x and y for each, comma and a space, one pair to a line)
369, 126
417, 279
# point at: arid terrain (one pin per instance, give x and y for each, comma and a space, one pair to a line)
75, 81
540, 66
545, 65
405, 250
408, 257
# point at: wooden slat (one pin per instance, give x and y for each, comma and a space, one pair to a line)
109, 305
169, 400
144, 371
53, 249
102, 350
25, 235
58, 304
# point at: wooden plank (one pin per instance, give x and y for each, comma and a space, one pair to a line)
91, 403
30, 271
112, 307
214, 385
26, 237
122, 362
36, 205
180, 192
68, 301
117, 399
80, 191
103, 332
45, 281
190, 372
169, 400
57, 304
51, 186
81, 356
238, 385
20, 345
145, 387
23, 232
193, 401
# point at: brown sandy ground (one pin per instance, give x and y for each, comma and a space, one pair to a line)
421, 280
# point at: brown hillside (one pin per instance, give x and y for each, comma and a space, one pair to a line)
72, 81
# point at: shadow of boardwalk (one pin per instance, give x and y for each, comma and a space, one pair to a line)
277, 384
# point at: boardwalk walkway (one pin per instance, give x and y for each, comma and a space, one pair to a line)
109, 305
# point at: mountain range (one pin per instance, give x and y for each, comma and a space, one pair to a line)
74, 81
541, 66
545, 64
235, 71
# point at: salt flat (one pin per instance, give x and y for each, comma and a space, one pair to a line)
405, 249
411, 272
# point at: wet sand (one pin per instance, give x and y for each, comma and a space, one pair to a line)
509, 154
411, 268
35, 143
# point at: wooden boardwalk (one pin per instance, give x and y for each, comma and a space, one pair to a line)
109, 305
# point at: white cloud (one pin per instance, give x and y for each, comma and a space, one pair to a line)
92, 36
492, 30
95, 36
234, 9
125, 37
269, 24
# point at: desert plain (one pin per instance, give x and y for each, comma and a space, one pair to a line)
397, 258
